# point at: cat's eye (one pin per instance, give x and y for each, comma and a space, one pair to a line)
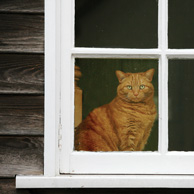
141, 87
129, 87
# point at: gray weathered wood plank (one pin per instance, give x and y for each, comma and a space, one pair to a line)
21, 33
24, 6
21, 115
7, 186
21, 155
21, 74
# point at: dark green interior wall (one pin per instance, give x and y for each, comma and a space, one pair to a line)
116, 24
99, 84
181, 106
180, 24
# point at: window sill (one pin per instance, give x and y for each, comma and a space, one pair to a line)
106, 181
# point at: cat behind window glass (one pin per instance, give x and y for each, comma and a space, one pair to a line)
125, 123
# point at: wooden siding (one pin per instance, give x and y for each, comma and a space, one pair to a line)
21, 32
22, 6
21, 74
21, 90
21, 155
21, 115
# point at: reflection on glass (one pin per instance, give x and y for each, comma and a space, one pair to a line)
116, 23
181, 25
124, 124
181, 105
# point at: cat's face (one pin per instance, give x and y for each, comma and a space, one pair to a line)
135, 87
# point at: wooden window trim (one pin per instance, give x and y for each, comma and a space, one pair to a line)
56, 55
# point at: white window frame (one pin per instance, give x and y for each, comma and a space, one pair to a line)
59, 105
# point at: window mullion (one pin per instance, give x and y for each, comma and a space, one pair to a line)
67, 77
163, 76
180, 53
115, 53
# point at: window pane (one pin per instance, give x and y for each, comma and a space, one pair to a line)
98, 84
116, 23
181, 105
181, 25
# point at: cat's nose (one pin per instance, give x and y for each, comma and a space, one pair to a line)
135, 93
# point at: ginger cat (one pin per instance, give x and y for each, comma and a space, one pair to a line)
125, 123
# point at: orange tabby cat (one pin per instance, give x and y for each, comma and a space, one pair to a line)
125, 123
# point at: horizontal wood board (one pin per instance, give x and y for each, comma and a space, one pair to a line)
21, 73
21, 155
21, 33
24, 6
21, 115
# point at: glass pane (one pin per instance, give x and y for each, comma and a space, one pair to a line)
124, 124
116, 23
181, 25
181, 105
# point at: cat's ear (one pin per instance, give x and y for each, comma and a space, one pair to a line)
149, 74
120, 75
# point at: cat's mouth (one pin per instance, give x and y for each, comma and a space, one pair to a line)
136, 99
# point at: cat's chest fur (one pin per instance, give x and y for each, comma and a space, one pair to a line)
133, 124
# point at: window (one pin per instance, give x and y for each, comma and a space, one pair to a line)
100, 33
